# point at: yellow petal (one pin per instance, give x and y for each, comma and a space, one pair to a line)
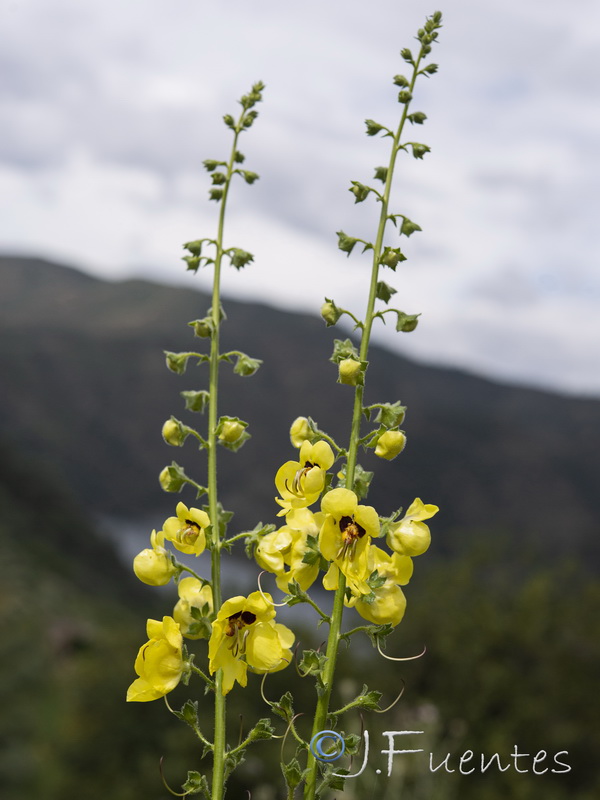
339, 503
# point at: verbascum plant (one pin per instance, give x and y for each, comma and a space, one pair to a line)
329, 530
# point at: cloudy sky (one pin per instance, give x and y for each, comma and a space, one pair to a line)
108, 107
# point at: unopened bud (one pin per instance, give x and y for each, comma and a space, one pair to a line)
231, 431
350, 372
330, 313
173, 432
390, 444
171, 478
300, 431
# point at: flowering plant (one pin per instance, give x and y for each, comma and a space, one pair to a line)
343, 540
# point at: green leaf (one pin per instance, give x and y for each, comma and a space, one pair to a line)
292, 774
345, 243
384, 291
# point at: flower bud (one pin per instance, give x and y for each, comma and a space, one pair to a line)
203, 328
231, 431
153, 566
300, 431
390, 444
173, 432
171, 478
330, 313
350, 372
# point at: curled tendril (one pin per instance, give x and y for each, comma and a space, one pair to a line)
166, 785
406, 658
263, 595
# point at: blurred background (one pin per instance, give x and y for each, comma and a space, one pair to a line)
107, 111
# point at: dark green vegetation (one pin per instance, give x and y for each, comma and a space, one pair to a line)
512, 628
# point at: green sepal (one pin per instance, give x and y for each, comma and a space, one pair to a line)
203, 328
391, 257
334, 782
218, 178
342, 350
189, 713
418, 149
361, 483
229, 121
233, 759
225, 518
312, 554
406, 322
373, 127
386, 522
177, 362
172, 478
404, 97
254, 536
408, 227
360, 191
384, 291
238, 258
243, 437
194, 247
407, 56
284, 707
368, 699
249, 177
378, 633
196, 783
417, 117
238, 157
249, 118
215, 194
193, 262
401, 80
210, 164
262, 730
312, 663
346, 243
381, 174
246, 366
430, 69
375, 580
390, 415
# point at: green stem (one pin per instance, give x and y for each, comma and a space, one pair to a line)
218, 777
322, 709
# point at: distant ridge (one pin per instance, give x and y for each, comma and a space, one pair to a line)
85, 389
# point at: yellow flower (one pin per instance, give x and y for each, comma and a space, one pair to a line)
159, 662
186, 530
244, 635
154, 566
387, 602
301, 482
390, 444
192, 594
345, 537
288, 546
299, 431
410, 536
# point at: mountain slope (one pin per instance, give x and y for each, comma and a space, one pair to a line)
86, 391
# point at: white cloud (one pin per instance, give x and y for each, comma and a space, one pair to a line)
108, 109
